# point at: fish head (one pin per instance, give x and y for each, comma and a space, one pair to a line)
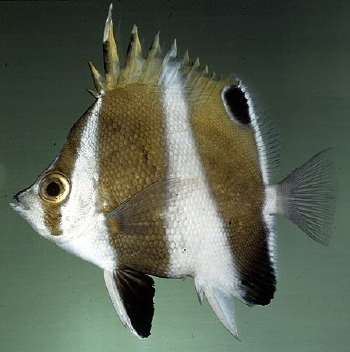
61, 203
42, 201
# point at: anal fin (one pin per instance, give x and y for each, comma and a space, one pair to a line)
221, 302
132, 297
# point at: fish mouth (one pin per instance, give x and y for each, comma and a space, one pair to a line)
19, 204
16, 205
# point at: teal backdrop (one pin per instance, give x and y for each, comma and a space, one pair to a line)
295, 58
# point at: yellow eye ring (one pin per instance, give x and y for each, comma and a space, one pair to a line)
54, 187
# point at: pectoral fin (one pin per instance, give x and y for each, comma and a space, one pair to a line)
132, 297
141, 214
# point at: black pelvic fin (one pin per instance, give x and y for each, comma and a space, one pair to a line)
137, 291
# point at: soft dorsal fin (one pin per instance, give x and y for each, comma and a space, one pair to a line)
150, 70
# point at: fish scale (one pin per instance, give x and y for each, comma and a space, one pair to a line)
167, 174
123, 167
202, 226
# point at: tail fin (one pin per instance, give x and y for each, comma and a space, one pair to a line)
307, 197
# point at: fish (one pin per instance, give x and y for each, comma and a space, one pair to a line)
168, 174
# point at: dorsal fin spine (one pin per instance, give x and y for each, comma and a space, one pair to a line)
134, 60
152, 65
110, 53
97, 78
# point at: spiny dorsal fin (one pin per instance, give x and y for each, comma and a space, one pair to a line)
138, 69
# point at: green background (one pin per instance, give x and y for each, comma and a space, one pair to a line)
295, 58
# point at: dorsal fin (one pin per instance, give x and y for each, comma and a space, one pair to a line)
138, 69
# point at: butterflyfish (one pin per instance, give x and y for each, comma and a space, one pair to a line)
167, 174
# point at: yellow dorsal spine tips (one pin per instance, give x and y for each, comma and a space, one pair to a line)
212, 81
97, 78
204, 79
205, 71
110, 54
194, 73
169, 70
134, 60
186, 62
153, 63
172, 52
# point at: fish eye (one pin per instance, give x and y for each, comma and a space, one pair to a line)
54, 187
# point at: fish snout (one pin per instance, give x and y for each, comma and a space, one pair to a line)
19, 198
16, 197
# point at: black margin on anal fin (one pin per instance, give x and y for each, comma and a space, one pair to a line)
137, 291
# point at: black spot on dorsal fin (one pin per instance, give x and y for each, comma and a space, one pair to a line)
136, 291
236, 104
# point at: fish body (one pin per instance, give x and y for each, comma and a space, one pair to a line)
166, 174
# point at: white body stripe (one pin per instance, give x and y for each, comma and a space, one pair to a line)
196, 233
85, 233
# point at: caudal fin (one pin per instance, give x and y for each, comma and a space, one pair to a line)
307, 197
